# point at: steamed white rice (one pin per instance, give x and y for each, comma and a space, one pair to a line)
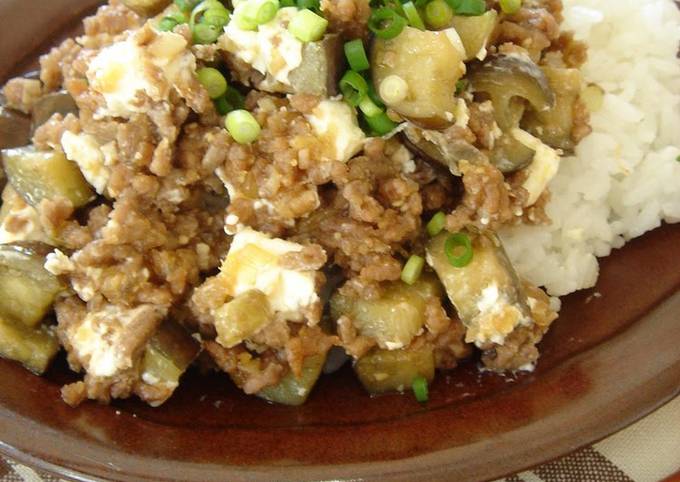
625, 177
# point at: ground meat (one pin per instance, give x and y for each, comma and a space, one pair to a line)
48, 135
54, 64
347, 17
488, 201
354, 344
533, 28
252, 374
21, 94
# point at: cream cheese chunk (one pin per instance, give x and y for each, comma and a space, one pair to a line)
335, 123
253, 263
271, 49
542, 169
84, 150
125, 69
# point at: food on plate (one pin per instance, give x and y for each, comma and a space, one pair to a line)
271, 189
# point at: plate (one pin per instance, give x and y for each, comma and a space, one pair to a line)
611, 358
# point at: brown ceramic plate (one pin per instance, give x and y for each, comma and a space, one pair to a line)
607, 361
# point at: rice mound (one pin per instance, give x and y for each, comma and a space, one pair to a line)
624, 179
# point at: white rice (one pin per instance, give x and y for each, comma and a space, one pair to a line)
625, 177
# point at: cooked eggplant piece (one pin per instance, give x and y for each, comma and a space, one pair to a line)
168, 355
38, 175
146, 8
381, 371
554, 126
429, 64
50, 104
15, 128
295, 391
322, 64
395, 318
436, 146
475, 32
318, 73
509, 80
27, 289
32, 347
242, 317
486, 293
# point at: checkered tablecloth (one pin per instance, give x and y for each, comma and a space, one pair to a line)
648, 451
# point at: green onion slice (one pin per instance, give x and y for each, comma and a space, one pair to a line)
356, 55
452, 244
368, 107
381, 124
385, 23
314, 5
205, 34
186, 5
470, 8
412, 269
213, 81
438, 14
420, 390
223, 106
307, 26
353, 87
168, 24
436, 224
242, 126
413, 16
510, 7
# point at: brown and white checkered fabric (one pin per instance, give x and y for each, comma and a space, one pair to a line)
648, 451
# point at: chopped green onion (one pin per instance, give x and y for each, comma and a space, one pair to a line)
436, 224
421, 3
213, 81
206, 34
218, 17
438, 14
471, 8
314, 5
353, 87
223, 106
412, 269
256, 12
242, 126
381, 124
461, 85
677, 158
510, 6
168, 24
235, 98
186, 5
393, 89
356, 55
373, 95
308, 26
266, 11
368, 107
458, 240
287, 3
385, 23
419, 386
413, 16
